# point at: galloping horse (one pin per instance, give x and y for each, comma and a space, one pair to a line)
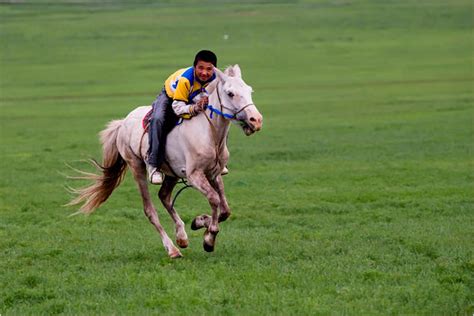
195, 150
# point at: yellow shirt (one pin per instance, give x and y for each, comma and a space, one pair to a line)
184, 86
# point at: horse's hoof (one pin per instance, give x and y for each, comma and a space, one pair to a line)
194, 226
200, 222
209, 241
182, 243
223, 216
207, 247
175, 254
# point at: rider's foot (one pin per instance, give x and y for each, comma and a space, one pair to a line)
154, 175
224, 171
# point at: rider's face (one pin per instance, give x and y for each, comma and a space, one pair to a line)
204, 70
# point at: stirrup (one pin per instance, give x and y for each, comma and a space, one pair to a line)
155, 176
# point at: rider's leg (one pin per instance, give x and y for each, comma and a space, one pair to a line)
157, 136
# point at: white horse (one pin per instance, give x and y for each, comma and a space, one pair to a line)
196, 150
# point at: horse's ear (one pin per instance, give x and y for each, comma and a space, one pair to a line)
220, 75
233, 71
236, 71
229, 71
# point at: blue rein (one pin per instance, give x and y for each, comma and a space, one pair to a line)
214, 110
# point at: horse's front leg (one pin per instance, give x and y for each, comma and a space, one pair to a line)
218, 185
205, 220
200, 182
165, 196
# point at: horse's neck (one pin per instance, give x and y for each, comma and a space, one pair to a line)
220, 124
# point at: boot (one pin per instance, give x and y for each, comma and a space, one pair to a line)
224, 171
154, 175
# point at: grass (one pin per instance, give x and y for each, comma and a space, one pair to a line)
356, 197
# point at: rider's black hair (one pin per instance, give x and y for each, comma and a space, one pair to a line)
207, 56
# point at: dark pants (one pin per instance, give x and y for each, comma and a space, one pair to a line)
162, 121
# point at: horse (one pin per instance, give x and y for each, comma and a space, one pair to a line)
196, 150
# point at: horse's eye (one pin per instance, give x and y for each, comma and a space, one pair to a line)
230, 94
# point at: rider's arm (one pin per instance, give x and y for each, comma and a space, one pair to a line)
187, 110
180, 101
182, 109
181, 98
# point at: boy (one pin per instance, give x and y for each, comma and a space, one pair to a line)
174, 101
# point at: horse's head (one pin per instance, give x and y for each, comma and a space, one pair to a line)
236, 97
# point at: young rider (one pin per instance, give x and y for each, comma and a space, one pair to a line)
174, 101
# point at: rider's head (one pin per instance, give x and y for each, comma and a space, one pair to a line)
204, 64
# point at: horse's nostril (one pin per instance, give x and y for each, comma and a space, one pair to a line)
252, 119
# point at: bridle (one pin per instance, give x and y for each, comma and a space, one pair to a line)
222, 106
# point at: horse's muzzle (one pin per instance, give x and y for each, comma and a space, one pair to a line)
256, 122
253, 121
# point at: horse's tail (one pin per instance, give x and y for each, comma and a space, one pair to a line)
111, 172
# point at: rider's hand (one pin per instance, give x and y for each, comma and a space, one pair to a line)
196, 109
200, 105
204, 101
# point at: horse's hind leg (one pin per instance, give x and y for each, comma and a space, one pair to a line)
139, 173
200, 182
165, 197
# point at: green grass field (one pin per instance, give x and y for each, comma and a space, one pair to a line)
355, 198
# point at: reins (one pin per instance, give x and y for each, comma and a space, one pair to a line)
225, 115
186, 185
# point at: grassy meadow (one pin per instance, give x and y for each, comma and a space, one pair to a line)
355, 198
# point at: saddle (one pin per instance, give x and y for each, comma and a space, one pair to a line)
146, 120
